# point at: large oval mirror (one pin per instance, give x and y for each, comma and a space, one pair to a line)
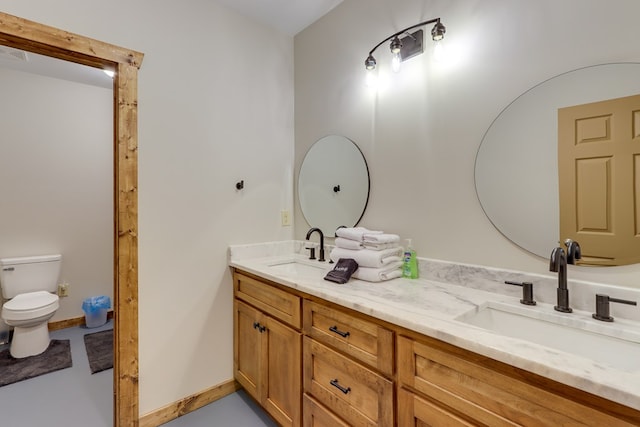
333, 185
516, 170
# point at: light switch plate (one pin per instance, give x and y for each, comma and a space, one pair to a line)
285, 218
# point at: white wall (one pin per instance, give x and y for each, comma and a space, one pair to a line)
209, 117
215, 107
420, 133
56, 180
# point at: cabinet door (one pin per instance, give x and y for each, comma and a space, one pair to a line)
248, 348
282, 389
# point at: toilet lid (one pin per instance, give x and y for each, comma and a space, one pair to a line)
31, 300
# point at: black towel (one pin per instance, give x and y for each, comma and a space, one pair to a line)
343, 270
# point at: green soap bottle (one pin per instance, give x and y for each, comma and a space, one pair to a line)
409, 262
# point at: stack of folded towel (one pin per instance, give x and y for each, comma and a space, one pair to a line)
378, 254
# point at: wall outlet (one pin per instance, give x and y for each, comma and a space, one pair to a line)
285, 217
63, 289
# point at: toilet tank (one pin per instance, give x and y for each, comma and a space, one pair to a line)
29, 274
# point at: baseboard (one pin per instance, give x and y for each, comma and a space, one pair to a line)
74, 321
188, 404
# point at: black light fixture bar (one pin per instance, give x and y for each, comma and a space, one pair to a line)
437, 31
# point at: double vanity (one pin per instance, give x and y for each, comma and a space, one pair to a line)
455, 347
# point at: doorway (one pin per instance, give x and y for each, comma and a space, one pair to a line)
37, 38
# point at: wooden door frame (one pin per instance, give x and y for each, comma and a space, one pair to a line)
44, 40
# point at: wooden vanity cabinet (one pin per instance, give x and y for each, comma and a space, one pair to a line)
313, 363
267, 351
460, 388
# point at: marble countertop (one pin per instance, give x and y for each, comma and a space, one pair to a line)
431, 307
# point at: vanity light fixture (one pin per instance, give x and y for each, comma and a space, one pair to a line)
408, 46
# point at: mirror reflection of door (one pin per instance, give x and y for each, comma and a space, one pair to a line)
599, 179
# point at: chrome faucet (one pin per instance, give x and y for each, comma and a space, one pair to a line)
558, 264
309, 233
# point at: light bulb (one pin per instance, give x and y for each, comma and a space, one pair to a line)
438, 50
395, 61
396, 57
372, 78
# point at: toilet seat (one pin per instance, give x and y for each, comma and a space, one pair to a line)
30, 306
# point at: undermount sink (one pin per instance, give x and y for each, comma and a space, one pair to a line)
582, 337
298, 267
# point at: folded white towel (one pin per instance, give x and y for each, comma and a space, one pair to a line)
381, 238
368, 257
387, 272
378, 246
341, 242
354, 233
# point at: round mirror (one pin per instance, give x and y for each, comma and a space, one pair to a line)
516, 170
333, 185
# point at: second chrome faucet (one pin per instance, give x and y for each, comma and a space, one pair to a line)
558, 264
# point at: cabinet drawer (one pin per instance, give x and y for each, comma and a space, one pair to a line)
414, 411
467, 383
316, 415
353, 392
363, 340
271, 300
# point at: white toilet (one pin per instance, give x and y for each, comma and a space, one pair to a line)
29, 284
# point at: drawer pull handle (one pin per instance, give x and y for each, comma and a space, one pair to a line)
259, 327
345, 390
339, 332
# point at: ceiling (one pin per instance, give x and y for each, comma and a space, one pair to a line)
288, 16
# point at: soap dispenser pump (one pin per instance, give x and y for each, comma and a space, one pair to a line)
409, 262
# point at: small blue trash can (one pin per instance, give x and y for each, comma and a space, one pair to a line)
95, 310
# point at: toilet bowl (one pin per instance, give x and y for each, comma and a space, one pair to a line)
28, 284
28, 314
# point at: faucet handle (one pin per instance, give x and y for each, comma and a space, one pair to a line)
311, 248
312, 253
527, 292
602, 307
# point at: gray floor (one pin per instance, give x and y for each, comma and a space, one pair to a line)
74, 397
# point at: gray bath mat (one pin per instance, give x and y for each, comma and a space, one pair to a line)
99, 347
57, 356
